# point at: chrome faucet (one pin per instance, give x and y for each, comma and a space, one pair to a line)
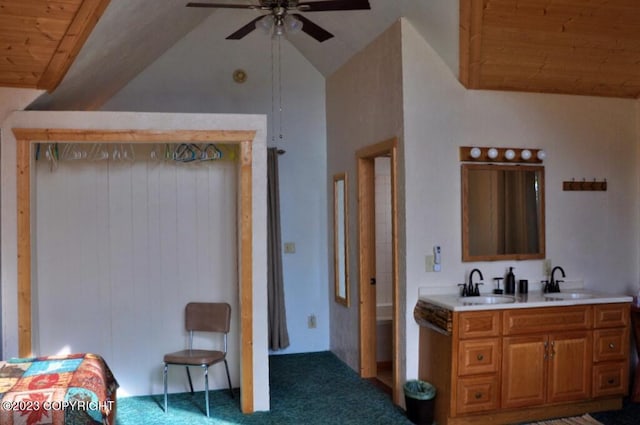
470, 290
554, 285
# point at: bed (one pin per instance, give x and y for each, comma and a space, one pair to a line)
75, 389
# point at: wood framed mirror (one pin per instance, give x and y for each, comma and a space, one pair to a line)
340, 239
502, 212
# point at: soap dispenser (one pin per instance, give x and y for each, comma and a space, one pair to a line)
510, 282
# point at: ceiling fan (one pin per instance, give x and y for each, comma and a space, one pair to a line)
280, 18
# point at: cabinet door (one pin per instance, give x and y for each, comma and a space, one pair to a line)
570, 365
524, 371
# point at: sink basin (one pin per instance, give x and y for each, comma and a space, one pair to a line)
487, 299
568, 295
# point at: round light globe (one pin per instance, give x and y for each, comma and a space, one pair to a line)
509, 154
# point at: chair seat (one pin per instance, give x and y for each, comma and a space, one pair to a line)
194, 357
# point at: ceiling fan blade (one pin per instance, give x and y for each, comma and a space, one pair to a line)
312, 29
245, 29
329, 5
222, 5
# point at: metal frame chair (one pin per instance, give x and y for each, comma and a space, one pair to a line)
201, 317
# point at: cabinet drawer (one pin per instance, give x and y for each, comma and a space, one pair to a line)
477, 394
611, 315
479, 356
478, 324
610, 379
610, 344
531, 320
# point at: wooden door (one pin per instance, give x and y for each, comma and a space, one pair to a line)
570, 365
524, 371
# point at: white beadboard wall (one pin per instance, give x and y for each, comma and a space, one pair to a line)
140, 241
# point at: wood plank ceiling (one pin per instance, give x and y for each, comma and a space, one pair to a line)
584, 47
39, 39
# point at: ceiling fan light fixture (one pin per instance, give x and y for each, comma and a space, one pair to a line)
292, 24
266, 24
278, 30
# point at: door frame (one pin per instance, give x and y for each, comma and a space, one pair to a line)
367, 259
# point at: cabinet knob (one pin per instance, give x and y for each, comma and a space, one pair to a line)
480, 357
612, 345
611, 381
478, 396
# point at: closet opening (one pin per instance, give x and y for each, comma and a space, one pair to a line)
116, 142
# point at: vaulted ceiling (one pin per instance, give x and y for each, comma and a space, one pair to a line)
585, 47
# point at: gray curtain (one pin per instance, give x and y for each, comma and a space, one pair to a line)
278, 335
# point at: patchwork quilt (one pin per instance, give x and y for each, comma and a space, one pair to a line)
76, 389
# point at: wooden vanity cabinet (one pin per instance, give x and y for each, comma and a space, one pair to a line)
546, 367
518, 365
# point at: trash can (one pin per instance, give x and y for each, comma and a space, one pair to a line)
419, 399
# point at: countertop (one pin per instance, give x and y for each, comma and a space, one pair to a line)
454, 302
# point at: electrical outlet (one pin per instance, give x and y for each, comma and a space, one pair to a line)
311, 321
547, 267
289, 247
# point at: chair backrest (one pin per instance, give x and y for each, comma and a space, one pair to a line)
208, 317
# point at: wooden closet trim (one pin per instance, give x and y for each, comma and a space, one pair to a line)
25, 137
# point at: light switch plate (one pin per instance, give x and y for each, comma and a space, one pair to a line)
429, 263
312, 322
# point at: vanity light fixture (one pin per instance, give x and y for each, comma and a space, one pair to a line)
512, 155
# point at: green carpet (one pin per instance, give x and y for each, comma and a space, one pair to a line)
314, 388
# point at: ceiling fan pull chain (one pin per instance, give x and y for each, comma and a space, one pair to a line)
280, 82
273, 95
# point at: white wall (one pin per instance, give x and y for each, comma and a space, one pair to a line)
439, 22
131, 337
15, 100
206, 85
364, 106
593, 235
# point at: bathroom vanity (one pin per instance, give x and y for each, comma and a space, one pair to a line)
500, 360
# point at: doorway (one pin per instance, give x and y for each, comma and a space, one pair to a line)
379, 321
